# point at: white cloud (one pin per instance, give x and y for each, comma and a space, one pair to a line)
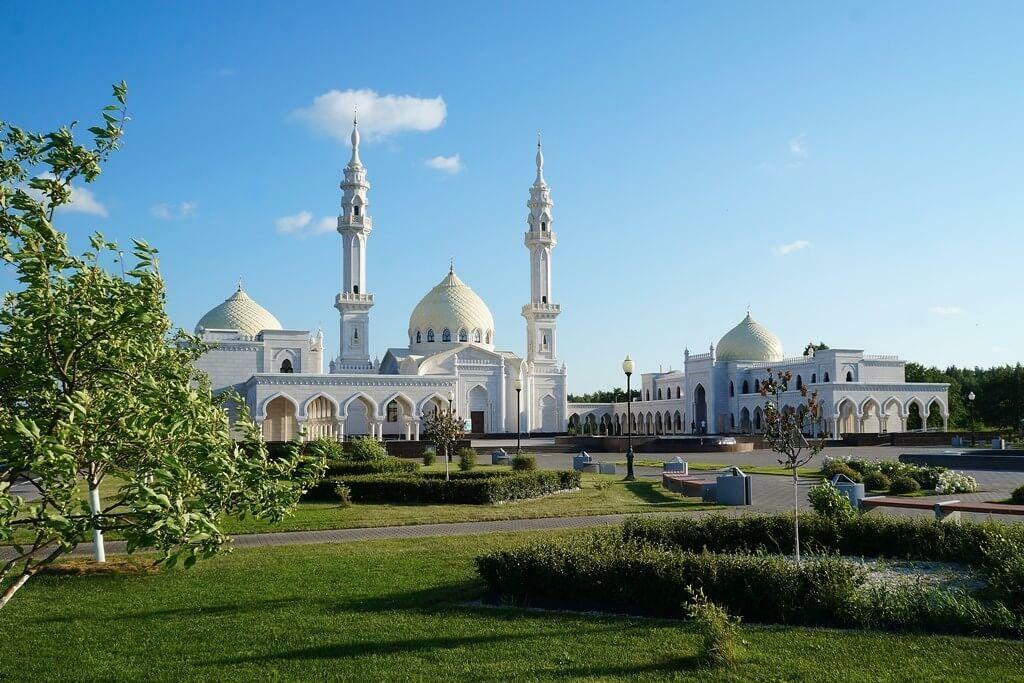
452, 164
798, 146
82, 200
945, 310
302, 224
380, 116
784, 249
169, 212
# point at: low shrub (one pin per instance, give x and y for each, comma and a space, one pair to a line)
475, 487
904, 484
329, 491
876, 481
367, 449
1018, 495
829, 502
525, 461
605, 571
860, 536
467, 459
835, 467
338, 468
955, 482
429, 455
328, 448
717, 631
1004, 567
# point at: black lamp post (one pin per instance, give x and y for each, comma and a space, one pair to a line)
519, 417
970, 403
627, 367
447, 448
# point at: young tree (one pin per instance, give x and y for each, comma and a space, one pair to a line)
443, 428
102, 411
784, 432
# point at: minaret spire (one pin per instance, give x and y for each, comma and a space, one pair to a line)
540, 162
354, 302
540, 239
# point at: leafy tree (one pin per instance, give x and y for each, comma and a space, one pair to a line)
97, 387
784, 429
443, 429
811, 346
615, 395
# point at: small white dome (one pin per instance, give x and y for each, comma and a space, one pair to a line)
749, 341
238, 312
454, 307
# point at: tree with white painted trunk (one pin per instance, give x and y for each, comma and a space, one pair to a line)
102, 412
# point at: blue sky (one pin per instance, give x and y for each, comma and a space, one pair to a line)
851, 171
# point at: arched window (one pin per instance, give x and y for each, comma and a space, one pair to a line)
648, 394
544, 299
446, 335
799, 382
355, 289
355, 210
463, 335
746, 387
419, 338
476, 336
679, 392
488, 336
757, 386
543, 226
732, 389
814, 378
826, 378
393, 411
849, 376
430, 336
659, 393
286, 366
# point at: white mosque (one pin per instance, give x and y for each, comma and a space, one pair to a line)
718, 392
450, 360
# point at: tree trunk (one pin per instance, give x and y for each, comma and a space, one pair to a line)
14, 587
100, 552
796, 514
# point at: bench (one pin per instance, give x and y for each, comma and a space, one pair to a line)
945, 510
689, 485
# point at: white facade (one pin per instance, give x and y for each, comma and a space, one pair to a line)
718, 392
451, 358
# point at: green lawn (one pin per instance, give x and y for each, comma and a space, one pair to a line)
748, 469
599, 495
400, 610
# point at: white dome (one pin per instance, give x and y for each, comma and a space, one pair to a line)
238, 312
452, 306
749, 341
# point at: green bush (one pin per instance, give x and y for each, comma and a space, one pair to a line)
329, 491
834, 467
829, 502
367, 449
429, 455
904, 484
717, 631
388, 464
1018, 495
475, 488
524, 461
876, 481
467, 459
603, 571
860, 536
328, 448
1004, 567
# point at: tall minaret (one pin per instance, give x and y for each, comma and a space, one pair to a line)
540, 239
354, 302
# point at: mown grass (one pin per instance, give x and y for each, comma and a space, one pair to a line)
716, 466
599, 495
400, 610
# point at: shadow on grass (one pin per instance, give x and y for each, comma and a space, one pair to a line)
648, 492
666, 666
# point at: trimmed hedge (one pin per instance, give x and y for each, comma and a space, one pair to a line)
340, 467
861, 536
474, 488
605, 571
1018, 495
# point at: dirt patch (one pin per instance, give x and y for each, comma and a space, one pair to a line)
84, 567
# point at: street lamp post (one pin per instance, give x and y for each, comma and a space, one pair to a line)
519, 417
627, 367
970, 403
447, 448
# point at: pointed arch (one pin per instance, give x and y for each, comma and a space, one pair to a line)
870, 416
275, 395
280, 418
846, 412
304, 411
372, 409
406, 402
439, 401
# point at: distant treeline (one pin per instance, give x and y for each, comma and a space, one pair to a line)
998, 391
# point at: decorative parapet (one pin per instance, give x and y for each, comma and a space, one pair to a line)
350, 297
701, 356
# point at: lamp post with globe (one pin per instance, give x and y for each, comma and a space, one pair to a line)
970, 403
627, 367
519, 416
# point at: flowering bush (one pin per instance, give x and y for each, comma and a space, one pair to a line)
955, 482
829, 502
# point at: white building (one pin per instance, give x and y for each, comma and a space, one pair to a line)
718, 392
450, 361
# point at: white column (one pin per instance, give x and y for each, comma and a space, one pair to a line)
339, 430
835, 427
418, 429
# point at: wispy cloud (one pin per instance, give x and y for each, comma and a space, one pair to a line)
784, 249
452, 164
303, 225
169, 212
798, 146
945, 310
380, 116
82, 200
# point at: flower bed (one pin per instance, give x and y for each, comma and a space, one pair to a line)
939, 479
472, 487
